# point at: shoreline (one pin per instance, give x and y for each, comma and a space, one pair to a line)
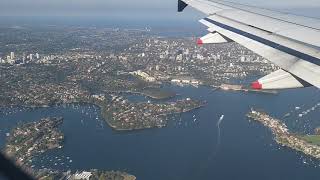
283, 136
103, 105
107, 117
41, 143
145, 94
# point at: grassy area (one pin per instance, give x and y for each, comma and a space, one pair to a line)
314, 139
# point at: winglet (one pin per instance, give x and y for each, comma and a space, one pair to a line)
181, 5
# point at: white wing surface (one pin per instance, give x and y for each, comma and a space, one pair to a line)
292, 42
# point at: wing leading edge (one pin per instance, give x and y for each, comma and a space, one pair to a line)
285, 40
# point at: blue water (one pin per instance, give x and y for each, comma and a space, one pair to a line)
186, 149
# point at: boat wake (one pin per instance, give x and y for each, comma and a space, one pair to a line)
219, 134
217, 146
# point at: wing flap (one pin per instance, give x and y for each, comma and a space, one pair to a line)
279, 79
212, 38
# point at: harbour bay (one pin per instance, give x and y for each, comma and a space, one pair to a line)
187, 147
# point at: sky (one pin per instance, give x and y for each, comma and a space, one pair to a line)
124, 8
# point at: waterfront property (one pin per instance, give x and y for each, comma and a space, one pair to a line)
121, 114
34, 138
305, 144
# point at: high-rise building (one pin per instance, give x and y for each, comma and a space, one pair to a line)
12, 55
31, 56
37, 56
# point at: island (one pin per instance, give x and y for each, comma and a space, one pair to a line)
306, 144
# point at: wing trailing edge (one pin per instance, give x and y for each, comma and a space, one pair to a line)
279, 79
213, 38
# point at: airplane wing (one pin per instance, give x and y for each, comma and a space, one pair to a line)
290, 41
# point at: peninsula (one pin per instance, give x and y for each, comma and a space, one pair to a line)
92, 174
30, 139
285, 138
33, 138
123, 115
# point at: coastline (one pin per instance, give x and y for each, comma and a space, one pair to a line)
108, 117
283, 136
